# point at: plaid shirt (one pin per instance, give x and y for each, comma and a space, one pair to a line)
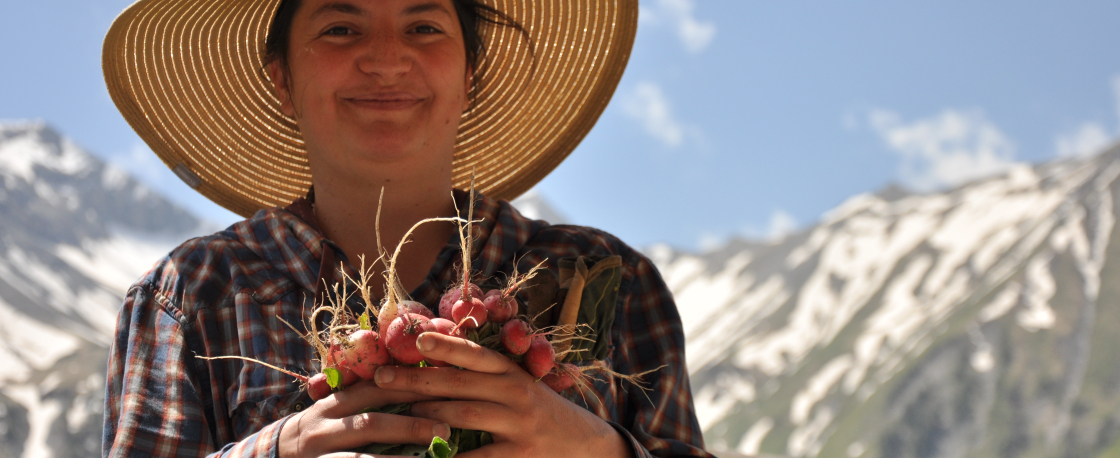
224, 294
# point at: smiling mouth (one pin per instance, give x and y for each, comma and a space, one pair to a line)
386, 102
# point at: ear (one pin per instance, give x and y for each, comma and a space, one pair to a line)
281, 87
467, 88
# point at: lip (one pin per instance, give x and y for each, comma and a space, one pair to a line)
389, 100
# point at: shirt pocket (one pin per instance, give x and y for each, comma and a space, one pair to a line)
261, 395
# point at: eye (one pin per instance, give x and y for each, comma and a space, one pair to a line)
426, 29
339, 30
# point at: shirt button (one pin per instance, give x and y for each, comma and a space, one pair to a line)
298, 407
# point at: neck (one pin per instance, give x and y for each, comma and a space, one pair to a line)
347, 213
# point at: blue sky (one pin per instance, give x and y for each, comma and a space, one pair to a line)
735, 117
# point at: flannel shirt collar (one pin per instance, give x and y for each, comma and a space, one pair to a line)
499, 231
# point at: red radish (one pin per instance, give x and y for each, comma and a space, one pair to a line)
561, 377
452, 296
389, 312
540, 358
469, 314
499, 309
447, 328
344, 366
515, 336
401, 336
366, 353
417, 308
317, 387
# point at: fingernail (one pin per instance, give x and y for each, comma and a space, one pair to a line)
443, 430
425, 343
384, 374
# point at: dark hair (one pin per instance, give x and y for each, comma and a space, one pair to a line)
473, 15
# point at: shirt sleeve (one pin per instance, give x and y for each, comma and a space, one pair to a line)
153, 399
660, 421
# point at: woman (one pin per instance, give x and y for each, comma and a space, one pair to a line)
375, 94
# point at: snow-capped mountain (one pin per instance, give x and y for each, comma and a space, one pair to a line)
976, 322
74, 234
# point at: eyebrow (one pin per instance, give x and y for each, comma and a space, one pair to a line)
426, 7
337, 7
351, 9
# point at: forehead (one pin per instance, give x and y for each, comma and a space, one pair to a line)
318, 8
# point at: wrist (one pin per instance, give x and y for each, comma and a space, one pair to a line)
618, 445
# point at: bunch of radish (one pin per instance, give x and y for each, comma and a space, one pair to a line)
350, 352
353, 347
387, 333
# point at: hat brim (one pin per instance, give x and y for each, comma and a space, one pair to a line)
187, 76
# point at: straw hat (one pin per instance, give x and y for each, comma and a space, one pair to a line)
186, 75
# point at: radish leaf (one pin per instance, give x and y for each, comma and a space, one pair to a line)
333, 377
363, 321
440, 449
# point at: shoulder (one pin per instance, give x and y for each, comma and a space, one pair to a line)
566, 240
252, 255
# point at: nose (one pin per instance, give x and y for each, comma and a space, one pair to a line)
385, 55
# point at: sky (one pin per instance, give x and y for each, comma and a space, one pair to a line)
735, 118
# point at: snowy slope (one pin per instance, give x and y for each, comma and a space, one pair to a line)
976, 322
74, 234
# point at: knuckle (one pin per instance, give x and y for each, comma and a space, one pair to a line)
413, 378
420, 428
457, 380
471, 415
360, 421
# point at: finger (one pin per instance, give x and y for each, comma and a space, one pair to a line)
495, 450
449, 382
462, 353
364, 395
355, 455
476, 415
369, 428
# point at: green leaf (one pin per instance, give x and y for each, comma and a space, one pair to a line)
334, 378
392, 409
440, 449
424, 363
363, 322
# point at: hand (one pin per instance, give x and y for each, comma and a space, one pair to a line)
492, 393
336, 424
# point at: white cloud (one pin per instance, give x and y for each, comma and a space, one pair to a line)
1116, 94
709, 242
781, 224
1089, 139
141, 162
694, 35
649, 106
946, 150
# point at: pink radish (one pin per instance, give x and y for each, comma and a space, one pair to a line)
561, 378
417, 308
452, 296
401, 336
366, 353
317, 387
540, 358
344, 366
515, 336
469, 313
499, 308
447, 328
